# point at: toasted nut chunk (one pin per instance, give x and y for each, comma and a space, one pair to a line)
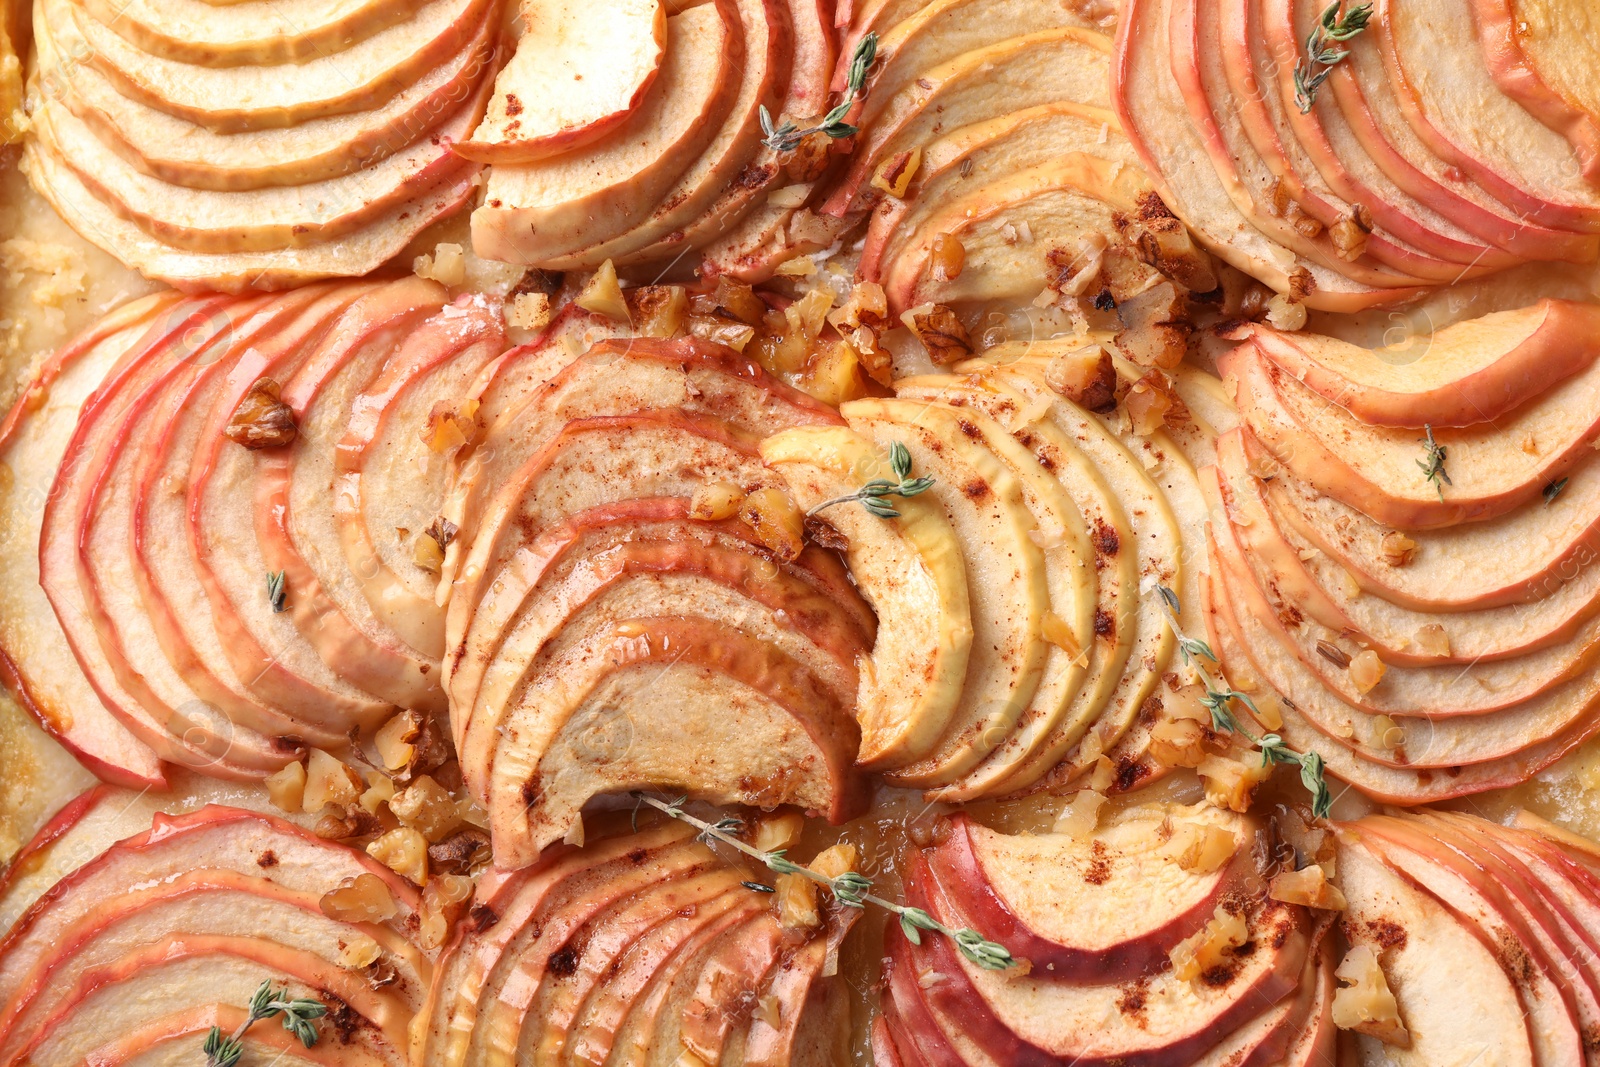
262, 419
834, 374
810, 313
1366, 1004
940, 332
1349, 234
778, 523
894, 174
1308, 887
463, 852
1104, 775
394, 740
867, 306
658, 310
329, 782
835, 860
447, 265
1209, 947
1231, 783
715, 501
427, 807
603, 294
362, 899
343, 826
1155, 326
779, 830
380, 790
527, 311
404, 851
719, 331
797, 902
1397, 549
1081, 815
1179, 742
731, 299
1085, 376
287, 788
444, 900
1201, 848
1432, 639
359, 952
798, 267
1285, 313
1366, 671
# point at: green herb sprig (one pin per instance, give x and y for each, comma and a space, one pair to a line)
786, 138
851, 889
873, 494
277, 592
1432, 462
1219, 698
224, 1050
1323, 52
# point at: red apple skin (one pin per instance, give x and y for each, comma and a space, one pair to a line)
189, 1027
956, 867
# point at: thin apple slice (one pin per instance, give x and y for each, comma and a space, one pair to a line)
1001, 73
821, 618
913, 573
1367, 102
538, 211
353, 255
230, 99
1247, 63
1068, 556
264, 646
1535, 52
174, 150
1450, 98
769, 236
223, 35
185, 1028
1150, 102
1429, 955
152, 702
857, 19
1492, 468
633, 711
1330, 144
1476, 901
812, 1010
352, 598
1396, 785
33, 438
1319, 588
768, 58
1469, 372
1195, 52
1006, 583
579, 71
1427, 739
983, 152
257, 220
1003, 1017
738, 231
1009, 886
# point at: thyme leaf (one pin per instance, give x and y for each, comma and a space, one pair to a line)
225, 1050
1322, 52
1219, 699
1553, 490
1432, 462
277, 592
851, 889
787, 137
873, 496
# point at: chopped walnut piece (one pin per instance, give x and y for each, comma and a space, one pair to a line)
427, 807
603, 294
657, 310
731, 299
1308, 887
1155, 327
404, 851
1366, 1004
444, 900
1366, 671
1166, 244
1147, 408
463, 852
1085, 376
1284, 313
1231, 783
1200, 848
362, 899
1397, 549
329, 783
940, 332
1349, 234
1433, 640
262, 420
778, 523
395, 740
1209, 947
287, 788
1179, 743
797, 902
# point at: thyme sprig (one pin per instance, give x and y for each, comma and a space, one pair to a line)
1218, 699
787, 137
1323, 52
277, 593
851, 889
225, 1050
1432, 462
873, 494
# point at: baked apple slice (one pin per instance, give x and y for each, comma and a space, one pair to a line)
983, 152
911, 570
212, 35
1449, 97
768, 66
1070, 578
1008, 886
1006, 578
33, 438
229, 99
538, 211
1007, 73
1470, 372
1537, 56
601, 59
180, 152
1387, 473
